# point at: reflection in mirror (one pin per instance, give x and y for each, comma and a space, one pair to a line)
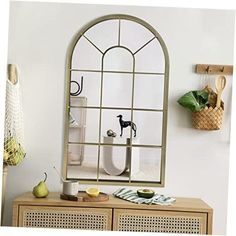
149, 91
77, 120
90, 86
134, 35
92, 126
113, 163
153, 54
82, 161
84, 125
110, 121
148, 167
104, 34
118, 59
86, 56
117, 90
149, 127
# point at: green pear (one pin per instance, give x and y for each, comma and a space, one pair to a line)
41, 189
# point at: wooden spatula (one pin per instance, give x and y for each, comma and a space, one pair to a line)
220, 85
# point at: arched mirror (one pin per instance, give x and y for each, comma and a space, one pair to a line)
116, 103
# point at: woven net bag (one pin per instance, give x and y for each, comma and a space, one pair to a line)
13, 134
208, 118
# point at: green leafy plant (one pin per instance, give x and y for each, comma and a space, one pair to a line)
194, 100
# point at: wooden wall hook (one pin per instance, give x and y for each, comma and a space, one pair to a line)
214, 69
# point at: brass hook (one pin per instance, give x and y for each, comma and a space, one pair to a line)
222, 70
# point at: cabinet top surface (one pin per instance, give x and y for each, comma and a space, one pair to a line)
53, 199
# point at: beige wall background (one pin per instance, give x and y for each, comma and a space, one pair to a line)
197, 161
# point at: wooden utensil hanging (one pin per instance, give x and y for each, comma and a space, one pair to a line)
220, 83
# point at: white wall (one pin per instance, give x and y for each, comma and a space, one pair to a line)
197, 161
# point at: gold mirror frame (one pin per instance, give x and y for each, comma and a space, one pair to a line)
69, 56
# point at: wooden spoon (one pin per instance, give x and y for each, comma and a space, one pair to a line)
220, 85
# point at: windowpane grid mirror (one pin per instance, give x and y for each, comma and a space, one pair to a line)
116, 65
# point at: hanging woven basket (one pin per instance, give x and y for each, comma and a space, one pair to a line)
208, 118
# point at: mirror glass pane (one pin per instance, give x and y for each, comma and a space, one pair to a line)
110, 121
104, 35
150, 58
133, 35
149, 127
92, 126
118, 59
149, 91
117, 90
82, 161
113, 163
86, 56
77, 125
84, 125
89, 87
146, 164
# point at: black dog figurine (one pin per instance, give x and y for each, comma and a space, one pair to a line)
124, 124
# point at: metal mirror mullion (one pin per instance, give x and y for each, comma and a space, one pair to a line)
119, 28
66, 131
118, 108
164, 122
144, 45
90, 41
100, 117
116, 144
120, 72
132, 115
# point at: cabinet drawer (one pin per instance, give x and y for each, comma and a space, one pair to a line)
65, 217
159, 221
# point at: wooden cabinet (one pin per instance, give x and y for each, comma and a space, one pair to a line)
65, 217
160, 221
187, 215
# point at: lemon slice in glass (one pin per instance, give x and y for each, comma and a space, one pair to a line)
92, 192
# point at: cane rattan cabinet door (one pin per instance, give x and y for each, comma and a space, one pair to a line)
159, 221
65, 217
